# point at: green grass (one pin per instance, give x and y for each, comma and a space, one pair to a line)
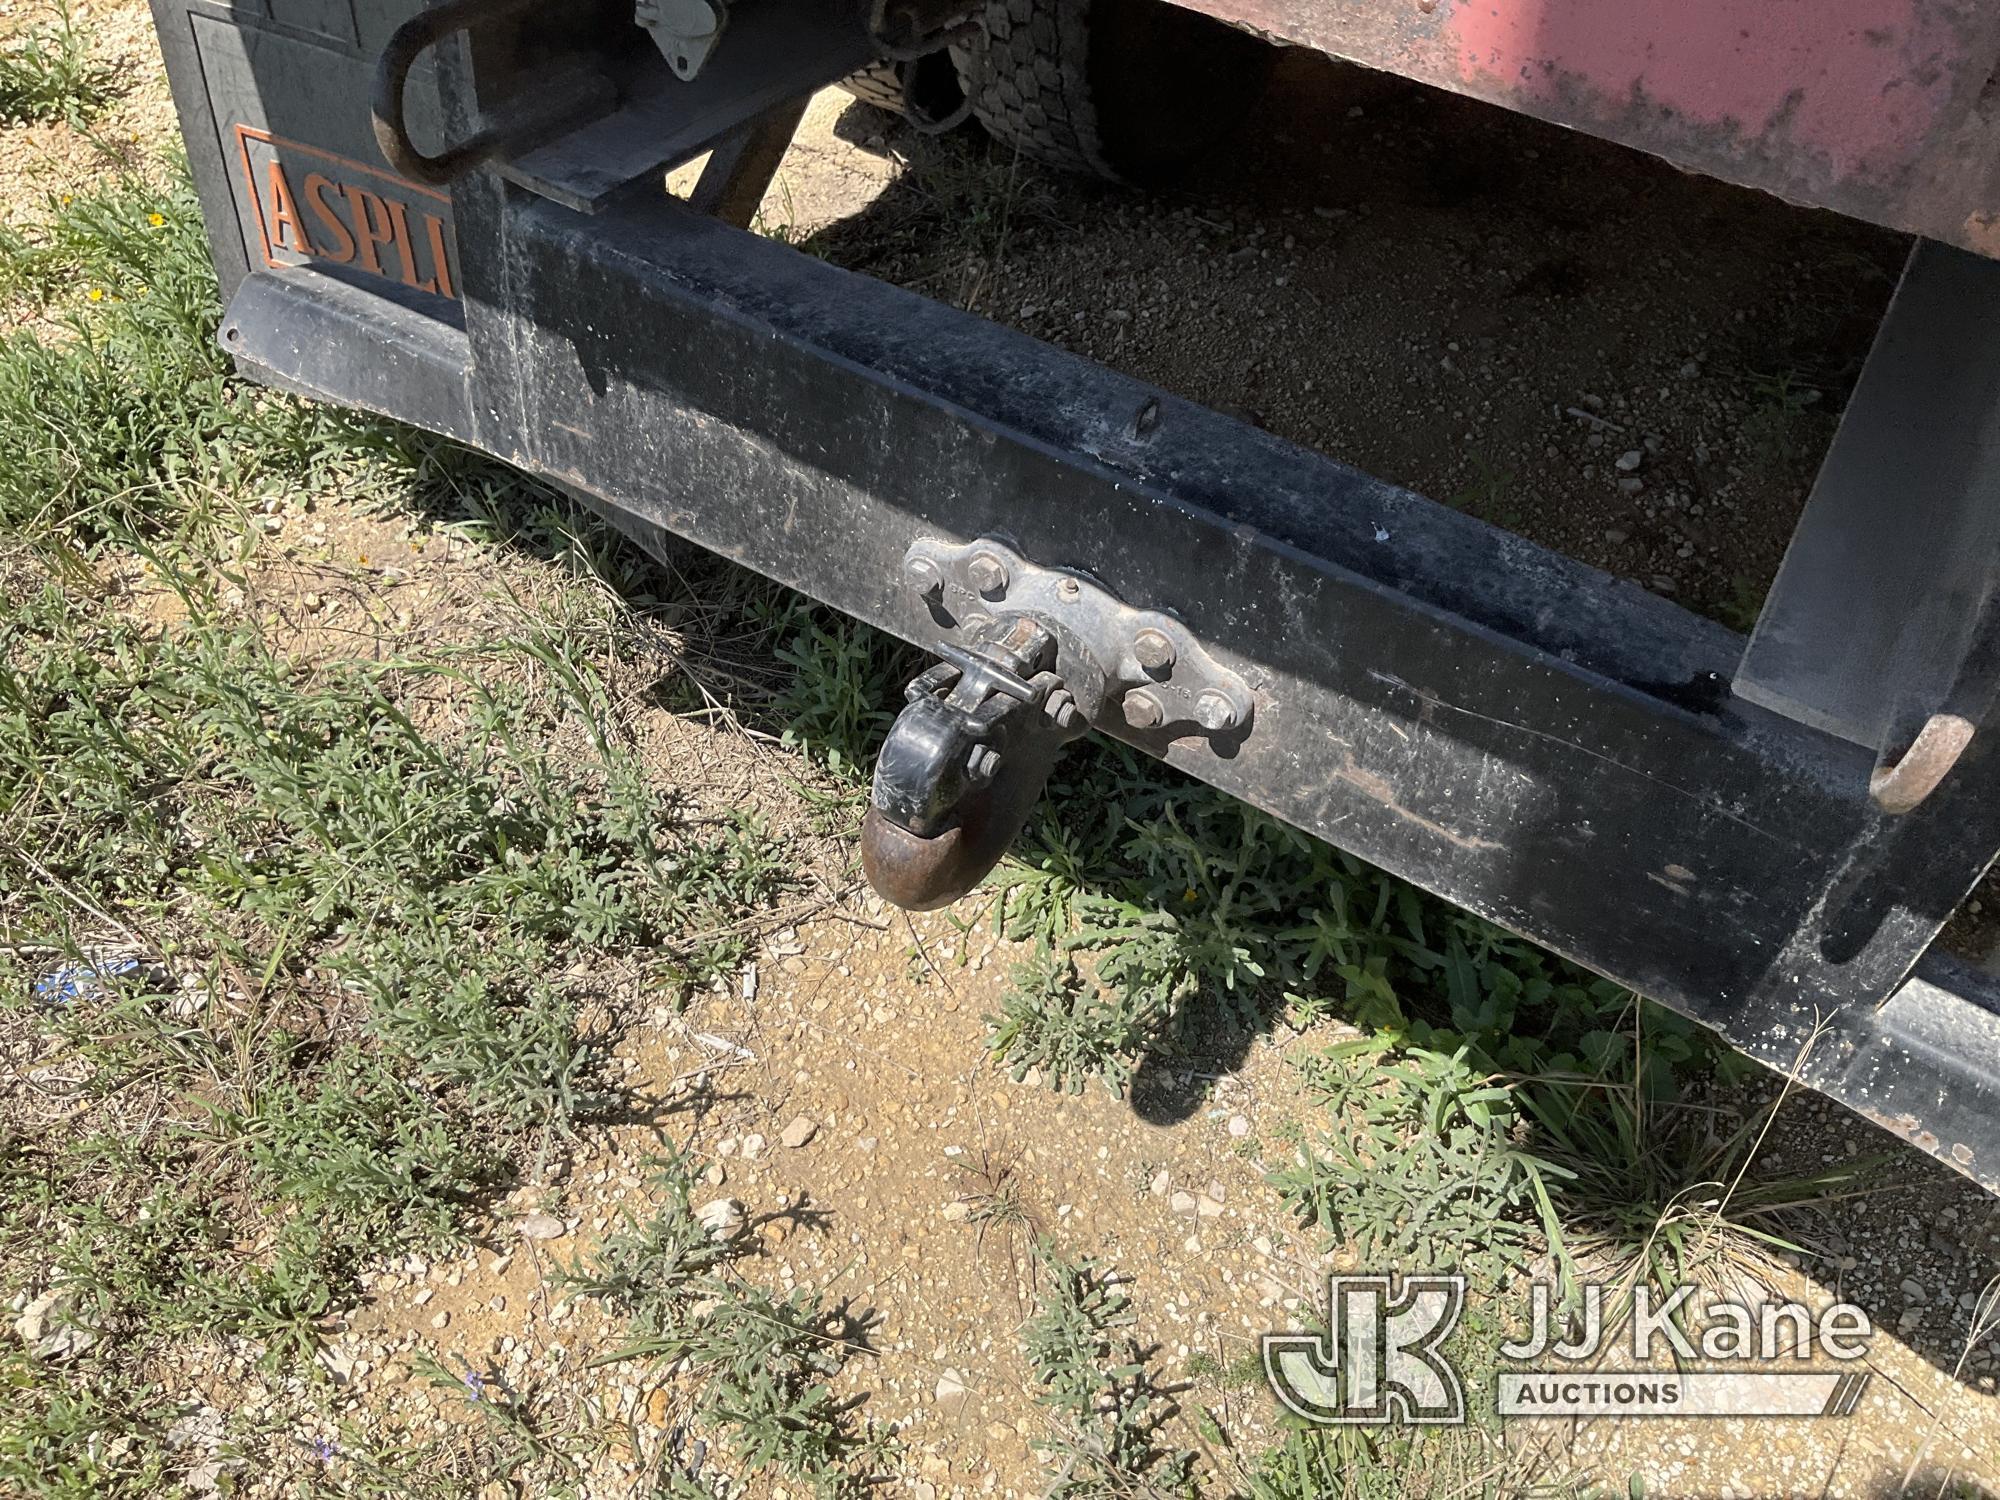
310, 938
763, 1366
1418, 1168
1107, 1411
47, 73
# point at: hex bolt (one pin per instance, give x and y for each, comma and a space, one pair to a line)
923, 575
982, 763
1061, 709
1154, 649
1217, 714
988, 574
1142, 710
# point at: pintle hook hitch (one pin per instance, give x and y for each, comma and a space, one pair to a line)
964, 765
1032, 656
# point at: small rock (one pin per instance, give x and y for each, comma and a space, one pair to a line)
951, 1388
1239, 1126
1162, 1180
46, 1327
1616, 534
1182, 1203
955, 1210
1913, 1290
721, 1217
1208, 1207
441, 1319
540, 1227
798, 1133
753, 1147
337, 1362
34, 1317
1629, 461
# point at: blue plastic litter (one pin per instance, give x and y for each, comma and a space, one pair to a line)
63, 987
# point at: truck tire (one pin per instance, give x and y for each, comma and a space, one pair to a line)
1129, 90
924, 91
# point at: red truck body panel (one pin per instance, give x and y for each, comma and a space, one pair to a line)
1886, 110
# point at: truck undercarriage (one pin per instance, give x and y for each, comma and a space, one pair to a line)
457, 217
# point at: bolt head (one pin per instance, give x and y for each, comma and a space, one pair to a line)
1154, 650
988, 574
982, 762
923, 575
1142, 710
1217, 714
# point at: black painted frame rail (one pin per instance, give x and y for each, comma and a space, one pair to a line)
1550, 747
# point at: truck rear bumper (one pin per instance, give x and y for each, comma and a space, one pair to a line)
1552, 748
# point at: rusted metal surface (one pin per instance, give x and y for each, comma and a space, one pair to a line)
1901, 784
1888, 110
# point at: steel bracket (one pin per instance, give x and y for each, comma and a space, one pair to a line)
685, 31
1143, 665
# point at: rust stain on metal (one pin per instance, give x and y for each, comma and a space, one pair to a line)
1899, 785
1982, 233
1909, 1127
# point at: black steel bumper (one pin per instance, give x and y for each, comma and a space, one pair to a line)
1547, 746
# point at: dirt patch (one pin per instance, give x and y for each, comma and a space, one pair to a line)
41, 160
1575, 342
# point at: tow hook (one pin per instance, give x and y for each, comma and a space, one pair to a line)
964, 765
1032, 656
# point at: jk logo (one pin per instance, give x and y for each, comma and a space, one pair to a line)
1381, 1360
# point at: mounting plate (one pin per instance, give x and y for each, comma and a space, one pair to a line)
1142, 664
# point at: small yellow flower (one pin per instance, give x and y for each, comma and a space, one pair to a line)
97, 294
67, 200
158, 221
1189, 895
